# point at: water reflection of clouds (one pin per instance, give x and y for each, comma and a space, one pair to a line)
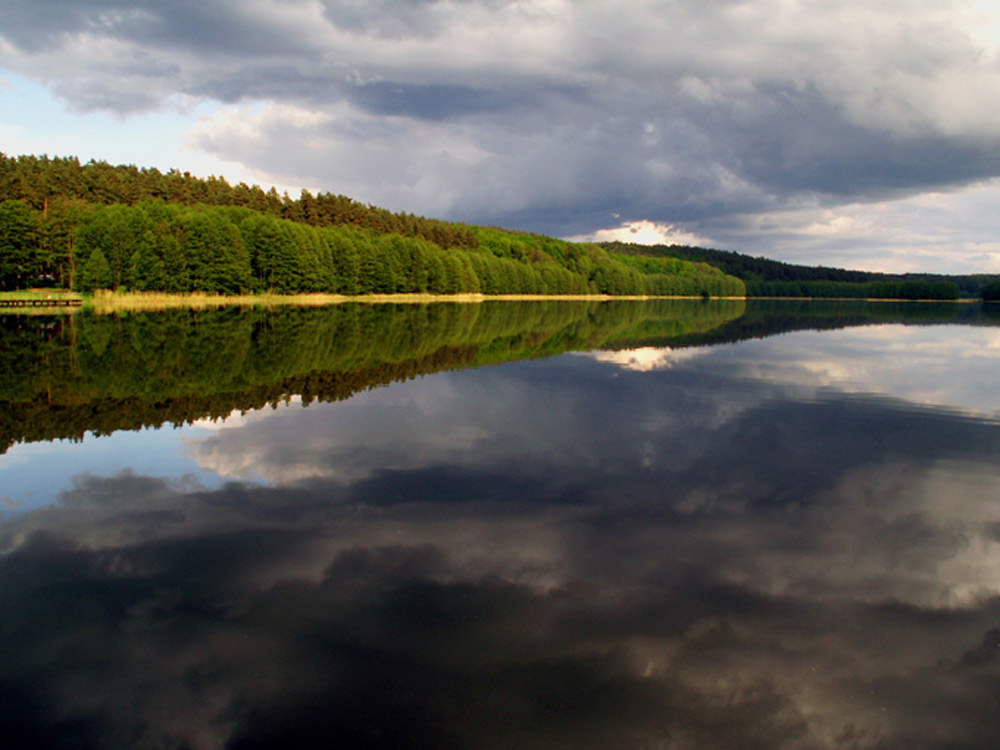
598, 626
406, 426
936, 366
661, 446
941, 366
645, 359
799, 573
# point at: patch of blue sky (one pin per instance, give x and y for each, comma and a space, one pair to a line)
35, 121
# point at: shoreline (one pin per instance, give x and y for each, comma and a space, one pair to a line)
110, 302
137, 301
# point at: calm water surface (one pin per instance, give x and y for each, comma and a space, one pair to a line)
680, 526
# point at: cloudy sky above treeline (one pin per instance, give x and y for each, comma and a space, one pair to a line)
849, 133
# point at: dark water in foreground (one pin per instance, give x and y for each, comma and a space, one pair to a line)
557, 526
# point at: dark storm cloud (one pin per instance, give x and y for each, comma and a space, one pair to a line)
399, 19
788, 141
782, 144
386, 18
578, 159
270, 82
223, 27
210, 28
437, 102
420, 102
33, 25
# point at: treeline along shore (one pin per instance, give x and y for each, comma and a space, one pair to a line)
775, 279
91, 226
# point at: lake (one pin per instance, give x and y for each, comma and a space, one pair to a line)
664, 524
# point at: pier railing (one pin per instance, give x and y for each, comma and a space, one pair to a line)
41, 302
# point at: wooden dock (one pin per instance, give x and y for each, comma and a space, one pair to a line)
40, 302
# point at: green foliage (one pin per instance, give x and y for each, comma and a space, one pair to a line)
217, 258
991, 291
19, 261
910, 290
96, 272
772, 278
38, 180
174, 232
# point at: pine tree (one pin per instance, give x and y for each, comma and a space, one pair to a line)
19, 262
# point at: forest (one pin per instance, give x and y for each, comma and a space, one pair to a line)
89, 226
771, 278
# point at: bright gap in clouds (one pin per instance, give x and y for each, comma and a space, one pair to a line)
644, 232
981, 20
954, 232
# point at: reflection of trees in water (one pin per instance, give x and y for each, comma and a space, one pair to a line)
62, 378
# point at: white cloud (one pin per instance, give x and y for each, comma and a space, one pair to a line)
930, 366
644, 233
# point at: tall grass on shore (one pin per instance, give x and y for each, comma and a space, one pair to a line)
111, 302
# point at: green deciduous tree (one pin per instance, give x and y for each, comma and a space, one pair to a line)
96, 272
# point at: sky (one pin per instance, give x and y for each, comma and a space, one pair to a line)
854, 134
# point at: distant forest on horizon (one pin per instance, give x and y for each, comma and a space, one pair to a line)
88, 226
773, 278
